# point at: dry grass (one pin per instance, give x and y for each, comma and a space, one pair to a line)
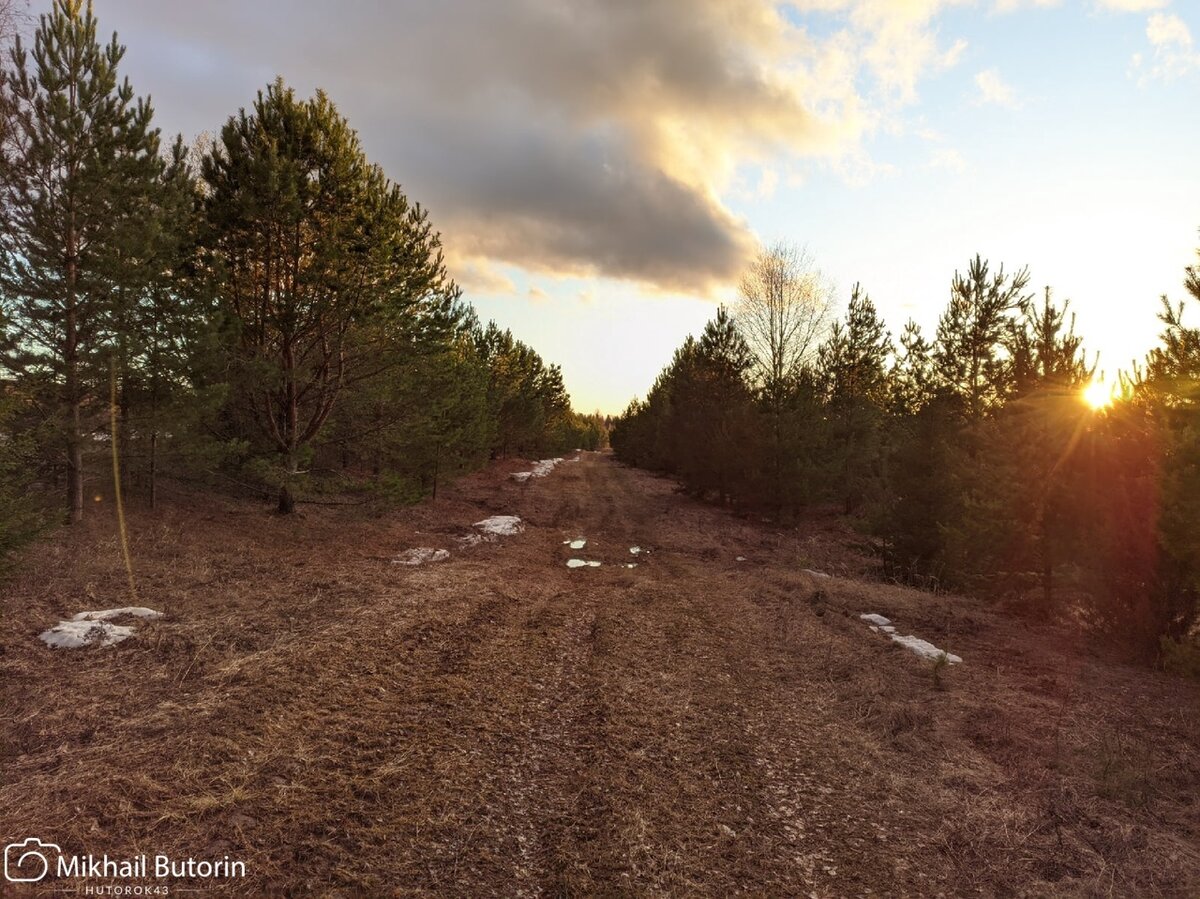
499, 725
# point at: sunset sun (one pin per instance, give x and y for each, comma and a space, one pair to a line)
1098, 395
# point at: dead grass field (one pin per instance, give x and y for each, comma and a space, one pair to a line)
497, 724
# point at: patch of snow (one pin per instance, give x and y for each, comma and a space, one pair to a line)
501, 525
581, 563
471, 539
539, 470
88, 628
741, 559
110, 614
814, 573
420, 555
923, 648
77, 634
631, 564
577, 543
635, 550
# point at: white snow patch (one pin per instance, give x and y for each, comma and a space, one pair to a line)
87, 628
581, 563
577, 543
637, 550
923, 648
110, 614
76, 634
539, 470
631, 564
814, 572
741, 559
501, 525
420, 555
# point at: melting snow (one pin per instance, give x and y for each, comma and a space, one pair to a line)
539, 470
814, 573
577, 543
741, 558
501, 525
420, 555
87, 628
635, 549
923, 648
580, 563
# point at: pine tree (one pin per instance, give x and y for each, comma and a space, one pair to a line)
307, 243
852, 372
971, 331
79, 169
1170, 392
713, 411
911, 379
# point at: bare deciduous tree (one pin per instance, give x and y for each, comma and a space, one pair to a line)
783, 310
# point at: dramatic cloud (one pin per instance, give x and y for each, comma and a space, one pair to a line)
594, 137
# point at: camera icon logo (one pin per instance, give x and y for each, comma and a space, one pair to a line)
29, 860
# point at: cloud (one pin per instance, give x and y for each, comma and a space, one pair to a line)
1133, 5
896, 39
1113, 5
478, 276
993, 89
1174, 54
1004, 6
590, 138
951, 57
948, 159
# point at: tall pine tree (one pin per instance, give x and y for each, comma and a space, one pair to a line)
80, 167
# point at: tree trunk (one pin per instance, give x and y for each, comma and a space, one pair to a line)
74, 428
377, 463
153, 468
287, 502
75, 469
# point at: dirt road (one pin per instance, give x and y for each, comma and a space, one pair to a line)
501, 724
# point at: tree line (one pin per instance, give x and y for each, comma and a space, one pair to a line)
266, 304
969, 457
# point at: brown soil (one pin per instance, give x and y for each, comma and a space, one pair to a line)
498, 724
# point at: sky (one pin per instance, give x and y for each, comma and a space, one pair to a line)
601, 171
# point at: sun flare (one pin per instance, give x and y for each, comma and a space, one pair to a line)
1098, 395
